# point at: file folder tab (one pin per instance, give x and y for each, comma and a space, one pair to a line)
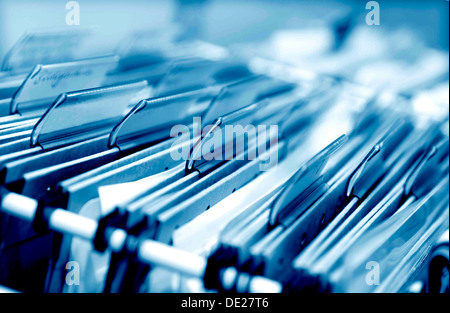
75, 116
45, 47
298, 187
150, 119
191, 74
243, 93
46, 82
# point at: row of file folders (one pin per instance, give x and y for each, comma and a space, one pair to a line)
348, 193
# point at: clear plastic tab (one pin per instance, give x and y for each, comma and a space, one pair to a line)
243, 93
191, 74
145, 47
152, 116
301, 181
373, 165
199, 154
46, 82
85, 114
45, 47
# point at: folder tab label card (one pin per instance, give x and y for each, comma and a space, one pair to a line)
45, 47
46, 82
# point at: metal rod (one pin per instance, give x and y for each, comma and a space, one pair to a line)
149, 251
